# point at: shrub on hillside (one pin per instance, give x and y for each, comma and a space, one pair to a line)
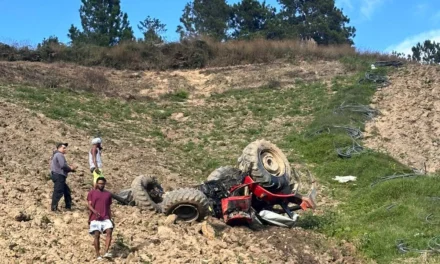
24, 53
186, 54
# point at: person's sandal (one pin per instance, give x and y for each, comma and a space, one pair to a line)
99, 258
108, 255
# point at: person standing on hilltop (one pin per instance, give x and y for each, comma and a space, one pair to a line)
99, 202
95, 160
59, 170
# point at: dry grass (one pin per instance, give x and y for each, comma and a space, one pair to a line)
262, 51
58, 75
187, 54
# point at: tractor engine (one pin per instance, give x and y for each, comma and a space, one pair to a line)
233, 208
217, 190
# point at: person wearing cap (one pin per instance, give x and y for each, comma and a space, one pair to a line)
100, 221
59, 171
95, 160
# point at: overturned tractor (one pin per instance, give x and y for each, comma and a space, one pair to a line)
260, 188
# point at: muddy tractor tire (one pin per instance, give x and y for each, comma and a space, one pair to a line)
143, 190
187, 204
267, 164
223, 173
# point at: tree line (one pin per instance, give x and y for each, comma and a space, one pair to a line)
103, 23
427, 52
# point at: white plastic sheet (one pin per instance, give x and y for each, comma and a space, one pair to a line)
277, 219
343, 179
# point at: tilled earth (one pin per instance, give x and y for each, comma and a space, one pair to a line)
409, 125
30, 233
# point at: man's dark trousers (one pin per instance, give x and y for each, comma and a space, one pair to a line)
60, 188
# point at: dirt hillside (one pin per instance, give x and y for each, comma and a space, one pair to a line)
27, 139
153, 84
409, 125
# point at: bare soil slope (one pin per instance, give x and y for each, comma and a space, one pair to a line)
152, 84
409, 126
26, 141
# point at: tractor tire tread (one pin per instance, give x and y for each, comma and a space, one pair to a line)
140, 195
186, 195
250, 155
224, 172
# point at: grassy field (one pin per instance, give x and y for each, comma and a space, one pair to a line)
214, 133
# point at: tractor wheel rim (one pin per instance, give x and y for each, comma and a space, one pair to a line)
186, 212
272, 163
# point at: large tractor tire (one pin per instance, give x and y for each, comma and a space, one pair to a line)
144, 190
267, 164
223, 173
187, 204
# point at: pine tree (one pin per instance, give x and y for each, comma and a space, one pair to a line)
320, 20
205, 17
152, 29
250, 18
428, 53
103, 24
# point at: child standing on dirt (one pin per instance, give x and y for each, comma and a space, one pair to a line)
99, 202
95, 159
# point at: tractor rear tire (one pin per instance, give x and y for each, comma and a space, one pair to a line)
270, 166
223, 173
188, 204
141, 187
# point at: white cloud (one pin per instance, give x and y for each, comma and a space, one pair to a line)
406, 45
369, 6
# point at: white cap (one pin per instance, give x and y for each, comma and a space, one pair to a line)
96, 141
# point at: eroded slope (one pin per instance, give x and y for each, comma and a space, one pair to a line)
409, 125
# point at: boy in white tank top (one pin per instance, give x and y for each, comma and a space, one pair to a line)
95, 160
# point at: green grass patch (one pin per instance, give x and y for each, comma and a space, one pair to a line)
88, 111
378, 217
178, 96
373, 218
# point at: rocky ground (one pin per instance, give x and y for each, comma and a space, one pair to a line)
30, 233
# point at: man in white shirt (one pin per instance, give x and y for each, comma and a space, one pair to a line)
95, 160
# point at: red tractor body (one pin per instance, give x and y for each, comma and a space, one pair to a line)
237, 209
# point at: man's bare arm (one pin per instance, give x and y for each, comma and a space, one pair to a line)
94, 151
92, 209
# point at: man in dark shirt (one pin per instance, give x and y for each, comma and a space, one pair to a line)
99, 202
59, 170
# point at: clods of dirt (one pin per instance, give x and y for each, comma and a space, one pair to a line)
409, 125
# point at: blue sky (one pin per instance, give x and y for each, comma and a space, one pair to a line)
382, 25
